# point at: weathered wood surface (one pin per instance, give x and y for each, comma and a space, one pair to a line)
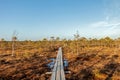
58, 70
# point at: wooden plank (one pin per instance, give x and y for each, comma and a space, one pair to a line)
58, 70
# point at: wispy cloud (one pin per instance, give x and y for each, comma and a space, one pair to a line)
105, 24
110, 25
106, 27
99, 24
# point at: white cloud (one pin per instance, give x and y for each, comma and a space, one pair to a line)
105, 28
105, 24
99, 24
110, 25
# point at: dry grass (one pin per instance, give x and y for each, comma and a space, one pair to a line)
93, 63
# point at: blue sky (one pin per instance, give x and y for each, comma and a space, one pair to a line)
36, 19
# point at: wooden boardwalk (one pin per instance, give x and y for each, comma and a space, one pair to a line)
58, 70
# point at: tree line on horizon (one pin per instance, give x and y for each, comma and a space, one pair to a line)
77, 41
73, 45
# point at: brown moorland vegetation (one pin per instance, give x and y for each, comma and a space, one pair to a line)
88, 59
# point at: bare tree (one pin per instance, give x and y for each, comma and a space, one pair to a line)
14, 38
77, 36
2, 45
52, 40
